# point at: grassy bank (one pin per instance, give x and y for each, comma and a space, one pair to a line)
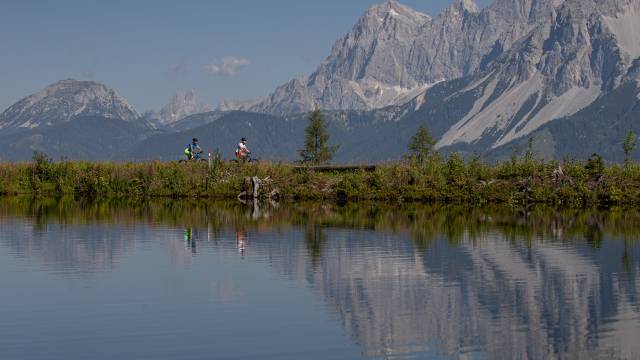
451, 180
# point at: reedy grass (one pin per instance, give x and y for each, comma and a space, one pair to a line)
434, 179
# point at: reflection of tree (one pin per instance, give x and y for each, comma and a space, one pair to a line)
627, 260
454, 226
315, 240
593, 235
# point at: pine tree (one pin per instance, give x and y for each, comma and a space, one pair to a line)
421, 144
316, 150
628, 146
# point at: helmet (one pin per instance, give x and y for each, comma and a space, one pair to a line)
195, 139
243, 139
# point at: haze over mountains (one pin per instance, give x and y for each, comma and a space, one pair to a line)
564, 72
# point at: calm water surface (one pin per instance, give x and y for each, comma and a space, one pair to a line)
191, 280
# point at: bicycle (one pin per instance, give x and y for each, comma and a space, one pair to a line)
247, 160
195, 158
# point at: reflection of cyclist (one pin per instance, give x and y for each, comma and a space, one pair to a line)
242, 151
188, 238
193, 150
241, 241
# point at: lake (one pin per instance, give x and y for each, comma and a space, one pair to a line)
225, 280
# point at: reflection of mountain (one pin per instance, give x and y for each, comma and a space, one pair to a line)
485, 294
467, 282
84, 249
81, 249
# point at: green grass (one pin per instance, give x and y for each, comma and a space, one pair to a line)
452, 180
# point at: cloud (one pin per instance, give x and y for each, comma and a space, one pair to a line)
229, 66
179, 69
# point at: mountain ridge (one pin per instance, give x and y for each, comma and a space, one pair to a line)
519, 69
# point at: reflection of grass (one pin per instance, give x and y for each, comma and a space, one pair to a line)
424, 223
517, 181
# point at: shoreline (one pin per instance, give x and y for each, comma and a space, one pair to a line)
436, 180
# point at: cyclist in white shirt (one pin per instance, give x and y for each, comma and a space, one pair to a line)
242, 152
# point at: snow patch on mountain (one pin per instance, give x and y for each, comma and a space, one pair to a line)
567, 104
626, 28
28, 125
494, 116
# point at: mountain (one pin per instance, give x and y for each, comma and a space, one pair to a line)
65, 100
364, 136
571, 83
182, 105
580, 54
565, 73
71, 119
599, 128
267, 134
82, 137
196, 120
394, 52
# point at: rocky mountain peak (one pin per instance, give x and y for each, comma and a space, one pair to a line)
394, 52
393, 9
182, 104
464, 6
65, 100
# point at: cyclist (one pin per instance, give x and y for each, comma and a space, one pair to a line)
242, 151
193, 150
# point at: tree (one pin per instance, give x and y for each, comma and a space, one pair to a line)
421, 144
628, 146
595, 166
316, 150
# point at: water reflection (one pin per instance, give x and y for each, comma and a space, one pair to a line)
410, 280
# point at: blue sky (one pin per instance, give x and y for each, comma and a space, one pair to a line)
150, 49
